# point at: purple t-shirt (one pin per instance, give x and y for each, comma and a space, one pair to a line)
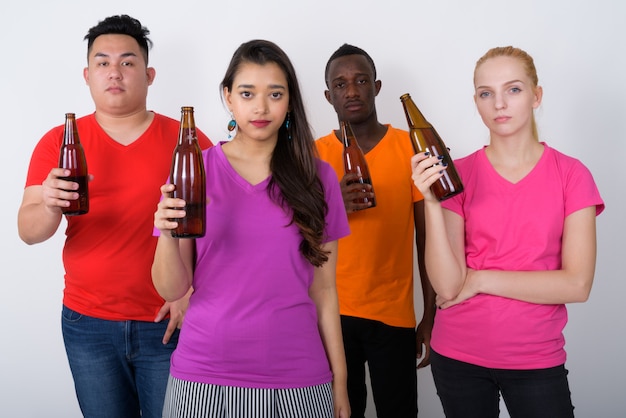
513, 227
251, 322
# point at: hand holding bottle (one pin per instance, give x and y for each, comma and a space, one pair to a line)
356, 196
168, 211
427, 170
58, 193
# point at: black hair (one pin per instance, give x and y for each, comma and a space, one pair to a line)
293, 164
122, 25
347, 49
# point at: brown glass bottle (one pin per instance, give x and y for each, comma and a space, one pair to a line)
425, 138
188, 175
354, 161
72, 157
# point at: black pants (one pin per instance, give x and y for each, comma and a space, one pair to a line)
470, 391
390, 353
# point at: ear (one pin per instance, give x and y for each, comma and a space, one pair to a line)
538, 96
327, 95
151, 73
377, 85
227, 98
86, 75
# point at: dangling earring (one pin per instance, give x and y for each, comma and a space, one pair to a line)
288, 127
231, 127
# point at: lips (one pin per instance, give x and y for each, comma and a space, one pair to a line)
260, 123
353, 105
115, 89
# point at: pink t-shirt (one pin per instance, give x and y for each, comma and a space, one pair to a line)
251, 322
513, 227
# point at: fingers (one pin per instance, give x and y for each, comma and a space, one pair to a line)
168, 209
57, 192
171, 327
356, 196
427, 170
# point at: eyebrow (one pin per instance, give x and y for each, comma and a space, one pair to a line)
124, 55
251, 86
505, 84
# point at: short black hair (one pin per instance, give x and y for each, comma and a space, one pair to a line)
122, 25
347, 49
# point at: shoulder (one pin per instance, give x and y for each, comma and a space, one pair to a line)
165, 120
470, 160
393, 131
327, 141
565, 163
325, 171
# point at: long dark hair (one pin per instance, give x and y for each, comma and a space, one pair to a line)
293, 164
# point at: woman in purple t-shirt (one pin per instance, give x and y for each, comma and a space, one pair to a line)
262, 336
507, 254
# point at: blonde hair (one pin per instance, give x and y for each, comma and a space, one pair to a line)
527, 62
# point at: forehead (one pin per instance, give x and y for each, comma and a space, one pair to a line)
250, 73
114, 44
349, 65
500, 69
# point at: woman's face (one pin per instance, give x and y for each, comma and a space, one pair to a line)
259, 101
505, 96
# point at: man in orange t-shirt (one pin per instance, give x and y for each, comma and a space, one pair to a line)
375, 266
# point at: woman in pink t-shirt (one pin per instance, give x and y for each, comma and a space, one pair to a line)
507, 254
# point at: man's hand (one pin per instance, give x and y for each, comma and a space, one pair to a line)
353, 192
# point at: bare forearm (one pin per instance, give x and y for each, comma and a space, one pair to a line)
542, 287
330, 331
446, 268
171, 276
36, 223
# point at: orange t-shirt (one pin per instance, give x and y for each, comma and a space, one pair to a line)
108, 252
375, 262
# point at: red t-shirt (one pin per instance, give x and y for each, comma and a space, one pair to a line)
108, 252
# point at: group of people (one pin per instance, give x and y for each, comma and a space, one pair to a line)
295, 289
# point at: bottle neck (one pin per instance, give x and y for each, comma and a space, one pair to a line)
187, 134
70, 135
414, 117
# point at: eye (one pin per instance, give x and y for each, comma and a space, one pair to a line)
515, 90
246, 94
127, 64
484, 94
276, 95
362, 81
339, 85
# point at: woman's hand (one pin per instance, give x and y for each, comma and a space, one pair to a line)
427, 169
167, 209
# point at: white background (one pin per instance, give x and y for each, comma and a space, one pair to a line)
426, 48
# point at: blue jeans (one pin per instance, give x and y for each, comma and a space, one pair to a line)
120, 368
470, 391
390, 353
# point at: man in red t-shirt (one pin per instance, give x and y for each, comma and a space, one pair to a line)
118, 332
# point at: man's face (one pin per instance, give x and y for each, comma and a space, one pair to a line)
117, 75
351, 88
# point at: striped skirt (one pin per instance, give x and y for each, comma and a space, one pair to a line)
185, 399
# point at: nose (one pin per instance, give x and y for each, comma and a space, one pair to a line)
352, 90
500, 103
261, 105
115, 73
